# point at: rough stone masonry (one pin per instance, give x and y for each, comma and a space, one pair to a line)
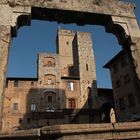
116, 16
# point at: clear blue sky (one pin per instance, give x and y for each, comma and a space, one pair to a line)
41, 37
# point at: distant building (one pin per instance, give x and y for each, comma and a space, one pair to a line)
65, 90
125, 92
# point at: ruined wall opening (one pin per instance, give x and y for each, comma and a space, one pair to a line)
29, 42
117, 18
41, 36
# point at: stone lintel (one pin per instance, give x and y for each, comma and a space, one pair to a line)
110, 7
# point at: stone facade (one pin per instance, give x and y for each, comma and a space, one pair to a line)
124, 90
64, 90
20, 94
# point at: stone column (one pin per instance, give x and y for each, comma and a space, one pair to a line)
132, 38
11, 18
5, 40
129, 38
135, 51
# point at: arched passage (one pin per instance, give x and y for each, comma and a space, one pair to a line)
105, 112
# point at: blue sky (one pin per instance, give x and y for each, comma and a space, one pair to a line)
41, 37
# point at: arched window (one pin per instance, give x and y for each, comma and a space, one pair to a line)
107, 113
49, 62
50, 101
50, 79
50, 97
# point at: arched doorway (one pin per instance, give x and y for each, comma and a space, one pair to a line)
105, 112
50, 101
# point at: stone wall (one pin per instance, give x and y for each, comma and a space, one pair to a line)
110, 7
108, 131
23, 94
87, 68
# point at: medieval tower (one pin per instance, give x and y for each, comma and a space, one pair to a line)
66, 84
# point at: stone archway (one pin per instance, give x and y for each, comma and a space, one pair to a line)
105, 112
116, 16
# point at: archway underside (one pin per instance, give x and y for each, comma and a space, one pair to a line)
68, 17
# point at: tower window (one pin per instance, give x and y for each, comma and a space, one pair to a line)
87, 67
15, 106
70, 85
33, 107
49, 63
49, 81
49, 99
67, 42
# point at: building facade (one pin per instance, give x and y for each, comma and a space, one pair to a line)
63, 92
124, 88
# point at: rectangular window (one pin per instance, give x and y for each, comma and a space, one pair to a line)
121, 104
49, 81
49, 63
131, 99
49, 99
33, 107
16, 83
87, 67
15, 106
71, 103
70, 86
